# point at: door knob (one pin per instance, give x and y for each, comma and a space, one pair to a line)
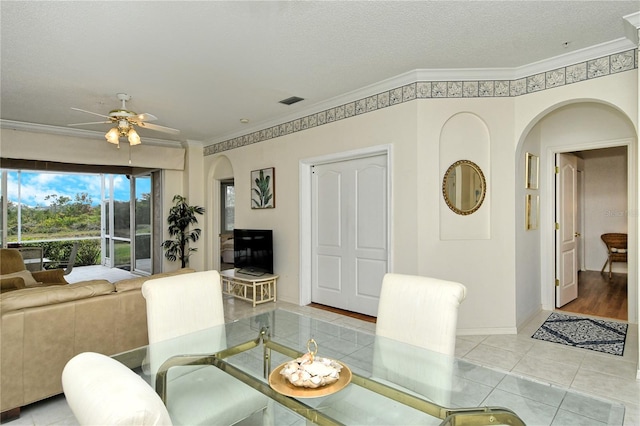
577, 234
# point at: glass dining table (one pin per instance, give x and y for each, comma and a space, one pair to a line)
382, 381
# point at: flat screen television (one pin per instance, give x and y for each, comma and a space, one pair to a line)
253, 251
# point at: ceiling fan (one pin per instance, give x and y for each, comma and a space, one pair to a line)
125, 122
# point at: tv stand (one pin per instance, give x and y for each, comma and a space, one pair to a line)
251, 272
254, 289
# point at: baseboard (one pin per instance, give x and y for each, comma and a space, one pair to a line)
529, 318
486, 330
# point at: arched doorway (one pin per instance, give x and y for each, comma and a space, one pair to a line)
576, 127
219, 177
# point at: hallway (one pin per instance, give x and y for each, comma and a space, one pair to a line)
599, 296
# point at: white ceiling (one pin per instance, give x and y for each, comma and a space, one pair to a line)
202, 66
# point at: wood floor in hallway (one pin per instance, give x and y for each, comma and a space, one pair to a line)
599, 296
356, 315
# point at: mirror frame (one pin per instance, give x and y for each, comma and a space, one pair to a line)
446, 178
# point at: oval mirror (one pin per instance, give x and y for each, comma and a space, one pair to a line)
464, 187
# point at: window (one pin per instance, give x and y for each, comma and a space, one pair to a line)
42, 206
113, 210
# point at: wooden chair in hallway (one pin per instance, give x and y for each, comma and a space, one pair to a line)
616, 249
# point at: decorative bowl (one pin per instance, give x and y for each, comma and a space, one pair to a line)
309, 371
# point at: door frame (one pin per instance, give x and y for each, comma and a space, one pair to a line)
305, 225
547, 220
133, 184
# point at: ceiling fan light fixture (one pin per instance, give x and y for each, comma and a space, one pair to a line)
125, 122
134, 138
113, 136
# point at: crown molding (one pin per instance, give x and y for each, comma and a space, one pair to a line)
633, 19
478, 74
192, 143
582, 55
466, 74
71, 132
632, 27
370, 90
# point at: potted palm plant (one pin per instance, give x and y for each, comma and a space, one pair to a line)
181, 217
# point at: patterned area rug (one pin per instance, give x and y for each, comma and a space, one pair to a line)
587, 333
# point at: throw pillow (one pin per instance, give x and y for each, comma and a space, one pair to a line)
25, 275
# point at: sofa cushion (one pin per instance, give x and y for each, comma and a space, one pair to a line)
42, 296
136, 283
26, 276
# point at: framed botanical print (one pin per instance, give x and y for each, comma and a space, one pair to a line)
263, 194
532, 212
532, 164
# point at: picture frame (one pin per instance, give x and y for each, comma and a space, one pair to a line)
532, 165
532, 212
263, 195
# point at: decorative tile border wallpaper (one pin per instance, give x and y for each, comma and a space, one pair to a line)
595, 68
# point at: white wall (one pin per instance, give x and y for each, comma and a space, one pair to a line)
528, 277
413, 129
606, 210
29, 145
465, 136
193, 190
505, 280
573, 118
395, 126
486, 266
499, 274
217, 171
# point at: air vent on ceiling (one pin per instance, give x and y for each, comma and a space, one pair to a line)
292, 100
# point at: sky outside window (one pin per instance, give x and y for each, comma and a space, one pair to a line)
36, 186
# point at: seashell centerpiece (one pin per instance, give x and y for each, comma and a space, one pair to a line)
309, 371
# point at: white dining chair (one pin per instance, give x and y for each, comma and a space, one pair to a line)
421, 312
102, 391
185, 304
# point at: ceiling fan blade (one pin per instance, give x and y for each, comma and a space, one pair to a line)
93, 122
158, 128
145, 116
89, 112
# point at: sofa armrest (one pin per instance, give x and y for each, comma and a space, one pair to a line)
9, 284
51, 276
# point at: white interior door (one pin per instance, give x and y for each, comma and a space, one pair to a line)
349, 233
566, 231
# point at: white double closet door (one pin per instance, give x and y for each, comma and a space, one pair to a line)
349, 233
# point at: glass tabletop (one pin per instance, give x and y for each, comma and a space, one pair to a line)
391, 382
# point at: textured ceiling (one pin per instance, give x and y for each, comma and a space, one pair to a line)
202, 66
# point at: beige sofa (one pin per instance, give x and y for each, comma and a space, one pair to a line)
42, 328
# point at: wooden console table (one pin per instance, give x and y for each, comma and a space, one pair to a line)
254, 289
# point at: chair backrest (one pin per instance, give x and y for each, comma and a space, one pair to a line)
11, 261
102, 391
183, 304
615, 240
421, 311
72, 259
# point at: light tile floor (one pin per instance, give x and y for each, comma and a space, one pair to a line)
588, 372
